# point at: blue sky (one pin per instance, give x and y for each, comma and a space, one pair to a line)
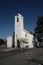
30, 9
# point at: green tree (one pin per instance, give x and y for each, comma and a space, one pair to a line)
39, 29
2, 42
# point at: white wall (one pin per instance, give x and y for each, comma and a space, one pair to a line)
9, 41
29, 39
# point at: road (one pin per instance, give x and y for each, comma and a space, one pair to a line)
31, 57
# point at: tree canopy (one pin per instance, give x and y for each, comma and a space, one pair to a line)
39, 29
2, 42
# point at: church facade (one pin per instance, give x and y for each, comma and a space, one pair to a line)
22, 37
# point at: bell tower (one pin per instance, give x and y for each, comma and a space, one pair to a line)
18, 27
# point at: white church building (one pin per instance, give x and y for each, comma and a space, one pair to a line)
22, 37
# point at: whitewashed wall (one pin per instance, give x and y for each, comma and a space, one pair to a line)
29, 38
9, 41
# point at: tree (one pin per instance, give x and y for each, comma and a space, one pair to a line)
2, 42
39, 29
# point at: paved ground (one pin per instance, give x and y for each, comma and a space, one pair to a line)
32, 57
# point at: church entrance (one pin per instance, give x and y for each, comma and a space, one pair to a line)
18, 43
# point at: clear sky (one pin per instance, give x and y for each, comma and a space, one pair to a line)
30, 9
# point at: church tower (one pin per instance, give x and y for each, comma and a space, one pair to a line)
18, 27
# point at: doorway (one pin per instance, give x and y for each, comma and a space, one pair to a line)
18, 43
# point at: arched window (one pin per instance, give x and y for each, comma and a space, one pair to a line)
17, 19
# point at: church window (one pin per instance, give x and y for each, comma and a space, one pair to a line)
17, 19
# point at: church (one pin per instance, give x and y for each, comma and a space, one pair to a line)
21, 38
